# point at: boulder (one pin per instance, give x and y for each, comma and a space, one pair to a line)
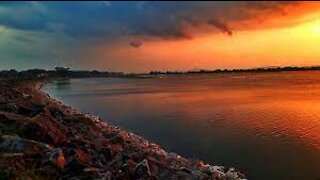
30, 111
16, 144
45, 129
74, 167
82, 156
142, 170
57, 114
9, 107
107, 152
54, 157
106, 176
232, 174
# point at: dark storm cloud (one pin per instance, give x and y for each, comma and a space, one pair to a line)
107, 20
46, 34
269, 5
219, 24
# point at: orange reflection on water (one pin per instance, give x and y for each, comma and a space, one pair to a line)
267, 124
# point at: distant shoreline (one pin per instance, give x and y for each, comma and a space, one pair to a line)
250, 70
62, 72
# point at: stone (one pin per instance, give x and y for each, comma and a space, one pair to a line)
57, 114
2, 100
45, 129
106, 176
231, 174
74, 167
82, 156
142, 170
9, 107
55, 157
16, 144
107, 152
30, 111
93, 170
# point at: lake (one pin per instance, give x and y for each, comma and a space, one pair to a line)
265, 124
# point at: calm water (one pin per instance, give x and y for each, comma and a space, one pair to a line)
267, 125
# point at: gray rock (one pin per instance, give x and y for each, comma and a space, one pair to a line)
142, 170
106, 176
16, 144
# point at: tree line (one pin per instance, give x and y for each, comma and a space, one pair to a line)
64, 72
58, 72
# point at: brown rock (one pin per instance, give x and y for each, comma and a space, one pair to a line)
15, 144
82, 156
74, 167
55, 157
30, 111
45, 129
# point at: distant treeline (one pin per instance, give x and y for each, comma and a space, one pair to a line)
58, 72
254, 70
62, 72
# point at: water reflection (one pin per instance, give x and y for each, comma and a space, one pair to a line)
64, 84
266, 124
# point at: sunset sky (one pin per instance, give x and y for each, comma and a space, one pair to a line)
144, 36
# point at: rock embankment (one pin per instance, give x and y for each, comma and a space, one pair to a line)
40, 138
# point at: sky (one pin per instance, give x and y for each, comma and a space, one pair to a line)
139, 36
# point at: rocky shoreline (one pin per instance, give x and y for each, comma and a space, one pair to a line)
40, 138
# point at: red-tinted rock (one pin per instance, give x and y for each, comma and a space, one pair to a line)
16, 144
82, 156
45, 129
55, 157
142, 170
